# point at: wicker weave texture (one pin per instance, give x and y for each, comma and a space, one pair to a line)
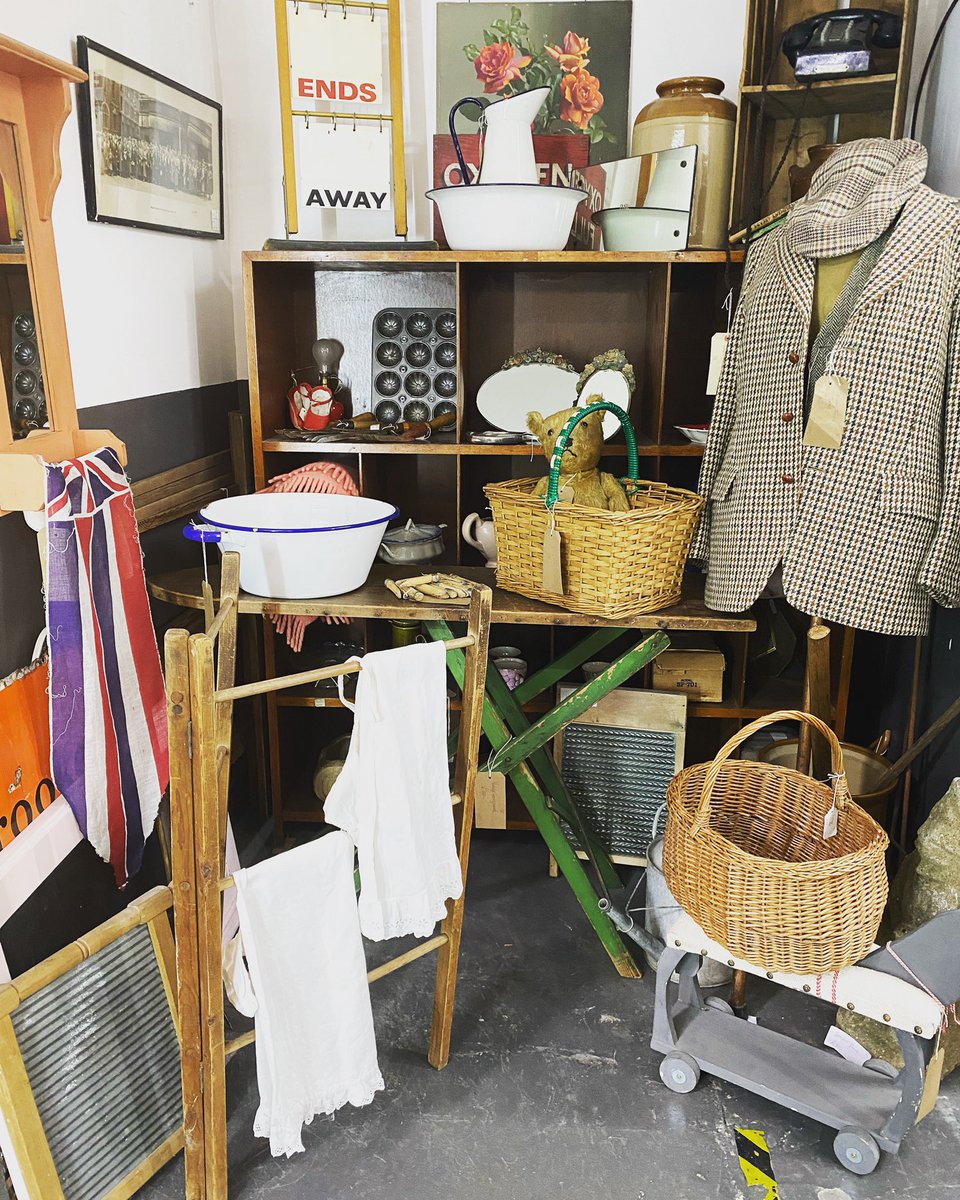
614, 564
745, 856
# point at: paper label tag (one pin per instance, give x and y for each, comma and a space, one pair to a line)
830, 822
552, 571
846, 1046
565, 494
931, 1082
828, 412
718, 349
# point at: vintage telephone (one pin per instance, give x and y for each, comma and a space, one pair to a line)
835, 45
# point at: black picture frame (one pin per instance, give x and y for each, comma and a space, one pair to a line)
126, 196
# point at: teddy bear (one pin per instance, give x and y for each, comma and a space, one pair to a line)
591, 487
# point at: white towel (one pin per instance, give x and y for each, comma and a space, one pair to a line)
393, 794
316, 1049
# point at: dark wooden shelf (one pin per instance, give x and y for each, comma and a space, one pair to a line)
863, 94
309, 698
645, 448
769, 696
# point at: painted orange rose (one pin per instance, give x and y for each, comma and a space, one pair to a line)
573, 53
581, 98
499, 64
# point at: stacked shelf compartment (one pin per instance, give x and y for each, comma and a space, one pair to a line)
662, 309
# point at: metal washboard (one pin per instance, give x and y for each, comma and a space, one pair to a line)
616, 762
90, 1071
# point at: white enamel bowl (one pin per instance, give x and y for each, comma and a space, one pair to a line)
507, 216
643, 229
297, 546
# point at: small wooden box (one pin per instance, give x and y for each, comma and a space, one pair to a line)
697, 672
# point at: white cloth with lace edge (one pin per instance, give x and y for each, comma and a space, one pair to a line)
393, 794
316, 1048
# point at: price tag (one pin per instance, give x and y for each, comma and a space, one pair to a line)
552, 569
832, 817
931, 1081
718, 350
828, 412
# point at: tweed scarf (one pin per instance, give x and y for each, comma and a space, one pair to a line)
839, 314
855, 196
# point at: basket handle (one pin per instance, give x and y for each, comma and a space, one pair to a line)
560, 447
702, 818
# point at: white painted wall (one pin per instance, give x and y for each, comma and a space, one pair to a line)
684, 37
153, 312
146, 312
939, 124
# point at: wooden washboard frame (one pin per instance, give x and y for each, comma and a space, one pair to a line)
200, 708
18, 1101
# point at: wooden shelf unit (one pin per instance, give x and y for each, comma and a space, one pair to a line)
662, 309
861, 106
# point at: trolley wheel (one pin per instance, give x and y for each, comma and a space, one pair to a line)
856, 1150
882, 1067
679, 1072
718, 1004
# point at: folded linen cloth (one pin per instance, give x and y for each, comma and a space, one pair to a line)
316, 1049
393, 794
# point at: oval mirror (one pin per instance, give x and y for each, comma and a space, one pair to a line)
533, 381
610, 378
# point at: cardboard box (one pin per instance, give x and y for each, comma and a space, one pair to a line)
695, 671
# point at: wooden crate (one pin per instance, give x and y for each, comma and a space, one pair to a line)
865, 106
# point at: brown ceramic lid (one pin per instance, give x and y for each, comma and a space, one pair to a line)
689, 96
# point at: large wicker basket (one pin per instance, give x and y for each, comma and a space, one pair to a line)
745, 855
613, 564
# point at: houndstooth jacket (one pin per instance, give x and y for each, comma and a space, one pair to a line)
867, 533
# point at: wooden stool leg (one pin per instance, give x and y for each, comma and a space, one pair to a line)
465, 779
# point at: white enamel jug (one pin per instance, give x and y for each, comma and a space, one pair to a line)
506, 154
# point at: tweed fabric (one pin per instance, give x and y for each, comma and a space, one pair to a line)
867, 533
839, 314
855, 196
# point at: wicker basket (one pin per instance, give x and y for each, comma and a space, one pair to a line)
745, 856
613, 564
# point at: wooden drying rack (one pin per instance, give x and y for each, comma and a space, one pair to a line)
200, 697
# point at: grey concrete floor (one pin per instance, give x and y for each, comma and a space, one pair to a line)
552, 1090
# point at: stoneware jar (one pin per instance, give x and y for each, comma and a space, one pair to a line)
690, 112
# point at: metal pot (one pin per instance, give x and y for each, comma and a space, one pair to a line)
412, 544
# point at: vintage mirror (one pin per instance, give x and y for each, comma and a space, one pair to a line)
21, 359
638, 204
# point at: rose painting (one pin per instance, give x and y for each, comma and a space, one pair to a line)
579, 51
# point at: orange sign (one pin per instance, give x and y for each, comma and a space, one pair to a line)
25, 785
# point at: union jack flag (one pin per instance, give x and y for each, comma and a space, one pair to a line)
108, 731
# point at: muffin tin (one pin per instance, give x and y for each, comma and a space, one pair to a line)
28, 404
414, 368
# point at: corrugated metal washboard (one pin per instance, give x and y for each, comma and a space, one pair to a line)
101, 1053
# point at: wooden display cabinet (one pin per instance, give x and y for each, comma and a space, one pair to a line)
662, 309
832, 110
34, 103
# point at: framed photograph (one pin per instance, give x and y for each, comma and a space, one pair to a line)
152, 150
